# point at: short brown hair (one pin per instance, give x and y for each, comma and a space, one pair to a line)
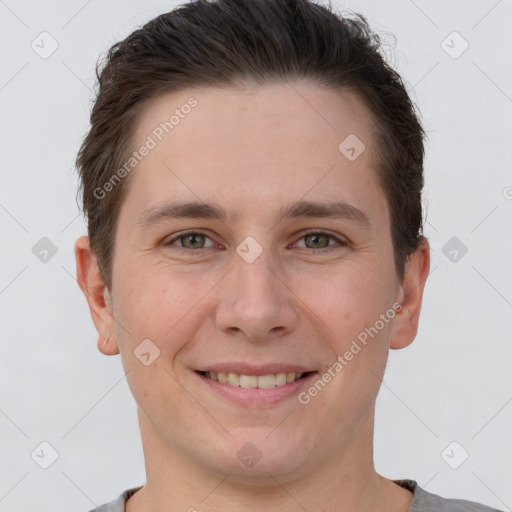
231, 42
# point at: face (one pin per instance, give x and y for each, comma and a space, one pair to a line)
251, 247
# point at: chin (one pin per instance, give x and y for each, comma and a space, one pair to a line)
260, 458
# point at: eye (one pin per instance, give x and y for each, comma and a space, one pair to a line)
314, 240
190, 240
319, 240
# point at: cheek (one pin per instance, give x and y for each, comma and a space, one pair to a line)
154, 318
153, 303
348, 301
168, 308
162, 399
348, 312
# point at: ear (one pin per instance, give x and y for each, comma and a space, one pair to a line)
98, 297
405, 324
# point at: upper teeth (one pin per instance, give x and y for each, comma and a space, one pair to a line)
253, 381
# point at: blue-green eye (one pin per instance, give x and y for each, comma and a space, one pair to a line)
319, 240
314, 240
191, 240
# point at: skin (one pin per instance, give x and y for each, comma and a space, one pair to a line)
253, 152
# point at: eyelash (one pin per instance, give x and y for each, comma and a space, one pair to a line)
340, 243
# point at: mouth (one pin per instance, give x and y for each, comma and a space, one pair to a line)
268, 381
248, 390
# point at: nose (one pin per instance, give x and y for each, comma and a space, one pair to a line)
256, 303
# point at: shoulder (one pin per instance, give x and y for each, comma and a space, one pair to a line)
118, 505
425, 501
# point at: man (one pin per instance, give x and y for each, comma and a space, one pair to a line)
252, 181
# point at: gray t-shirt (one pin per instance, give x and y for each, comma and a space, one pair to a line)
422, 501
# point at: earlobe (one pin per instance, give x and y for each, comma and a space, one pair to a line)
107, 346
93, 286
405, 325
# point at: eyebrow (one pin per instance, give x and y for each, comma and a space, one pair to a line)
301, 209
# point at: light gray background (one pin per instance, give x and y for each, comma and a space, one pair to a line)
452, 384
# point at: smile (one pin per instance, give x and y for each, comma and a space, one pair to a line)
255, 381
253, 386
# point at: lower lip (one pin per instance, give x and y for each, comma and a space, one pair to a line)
255, 396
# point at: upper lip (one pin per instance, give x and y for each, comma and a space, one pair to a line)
257, 370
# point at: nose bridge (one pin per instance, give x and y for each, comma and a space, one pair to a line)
255, 284
255, 300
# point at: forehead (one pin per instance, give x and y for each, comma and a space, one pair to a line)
291, 111
259, 144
